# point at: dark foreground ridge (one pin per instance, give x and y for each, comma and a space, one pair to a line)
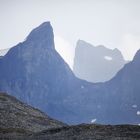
78, 132
90, 131
17, 116
18, 121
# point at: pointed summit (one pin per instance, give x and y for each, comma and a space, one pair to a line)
82, 43
42, 34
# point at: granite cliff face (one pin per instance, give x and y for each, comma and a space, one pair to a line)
35, 73
96, 63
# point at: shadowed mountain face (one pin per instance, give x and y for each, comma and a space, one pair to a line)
35, 73
96, 64
125, 87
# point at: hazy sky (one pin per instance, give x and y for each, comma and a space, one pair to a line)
113, 23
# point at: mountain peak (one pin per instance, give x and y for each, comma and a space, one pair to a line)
42, 34
83, 43
99, 63
46, 23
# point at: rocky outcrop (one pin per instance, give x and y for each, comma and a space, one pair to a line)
92, 132
17, 116
78, 132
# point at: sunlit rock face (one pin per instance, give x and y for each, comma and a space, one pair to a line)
96, 63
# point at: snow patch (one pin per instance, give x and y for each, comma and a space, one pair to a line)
93, 120
108, 58
138, 112
134, 106
98, 106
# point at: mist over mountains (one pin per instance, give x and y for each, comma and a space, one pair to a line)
3, 52
35, 73
96, 63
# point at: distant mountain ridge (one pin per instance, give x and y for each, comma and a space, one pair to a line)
96, 63
35, 73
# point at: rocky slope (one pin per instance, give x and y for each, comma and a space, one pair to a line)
90, 132
20, 121
96, 63
78, 132
15, 115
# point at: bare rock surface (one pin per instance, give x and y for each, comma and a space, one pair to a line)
17, 116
